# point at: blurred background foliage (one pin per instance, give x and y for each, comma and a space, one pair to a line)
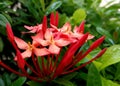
99, 21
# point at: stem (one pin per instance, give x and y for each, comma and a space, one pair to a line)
83, 65
10, 69
33, 70
35, 64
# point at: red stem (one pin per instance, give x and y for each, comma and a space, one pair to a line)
38, 74
83, 65
35, 64
10, 69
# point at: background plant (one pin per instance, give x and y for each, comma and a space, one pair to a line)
99, 21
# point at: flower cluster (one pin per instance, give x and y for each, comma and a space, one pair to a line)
46, 47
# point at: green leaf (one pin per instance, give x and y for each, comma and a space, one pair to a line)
79, 15
70, 76
117, 74
111, 56
1, 45
42, 4
102, 31
106, 33
4, 4
106, 82
64, 82
3, 20
94, 78
2, 82
33, 83
19, 82
53, 7
6, 79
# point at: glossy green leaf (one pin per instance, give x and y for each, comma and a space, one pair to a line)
33, 83
19, 82
63, 82
105, 33
93, 78
106, 82
3, 20
53, 7
111, 56
2, 82
79, 15
1, 44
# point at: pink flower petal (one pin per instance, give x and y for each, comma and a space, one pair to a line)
66, 28
48, 34
21, 43
41, 51
54, 49
62, 42
40, 40
25, 54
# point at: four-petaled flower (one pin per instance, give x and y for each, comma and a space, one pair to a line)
46, 51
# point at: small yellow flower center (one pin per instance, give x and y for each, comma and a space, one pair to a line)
51, 40
30, 46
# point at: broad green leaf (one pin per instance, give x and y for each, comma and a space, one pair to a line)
33, 83
79, 15
93, 78
2, 82
53, 7
3, 20
1, 44
111, 56
106, 82
19, 82
63, 82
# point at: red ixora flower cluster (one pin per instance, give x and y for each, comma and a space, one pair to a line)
46, 47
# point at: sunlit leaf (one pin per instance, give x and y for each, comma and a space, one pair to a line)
106, 82
79, 15
111, 56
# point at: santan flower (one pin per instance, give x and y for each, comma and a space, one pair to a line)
45, 49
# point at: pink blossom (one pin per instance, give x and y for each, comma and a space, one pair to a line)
30, 48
